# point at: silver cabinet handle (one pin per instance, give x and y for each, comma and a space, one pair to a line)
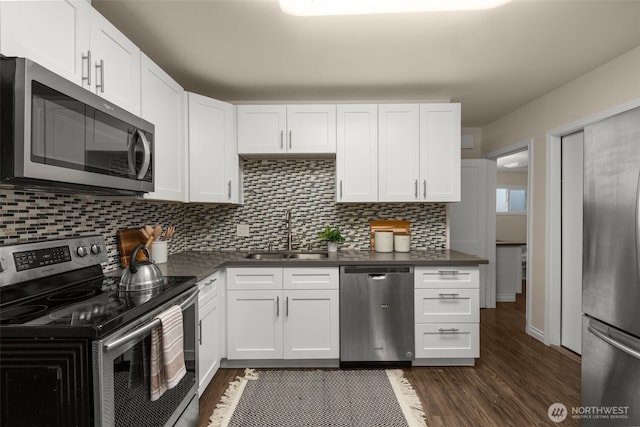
277, 306
88, 58
341, 189
449, 296
290, 139
448, 272
281, 139
424, 189
200, 332
416, 189
101, 85
448, 330
210, 282
630, 351
229, 190
287, 306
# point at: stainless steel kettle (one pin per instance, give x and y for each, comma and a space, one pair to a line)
141, 275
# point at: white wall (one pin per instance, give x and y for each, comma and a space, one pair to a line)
612, 84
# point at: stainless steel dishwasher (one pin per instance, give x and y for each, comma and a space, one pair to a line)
376, 315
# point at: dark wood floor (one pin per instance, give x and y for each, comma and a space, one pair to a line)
512, 384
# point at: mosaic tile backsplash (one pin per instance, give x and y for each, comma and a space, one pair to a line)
305, 187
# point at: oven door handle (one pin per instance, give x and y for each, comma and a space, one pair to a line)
147, 327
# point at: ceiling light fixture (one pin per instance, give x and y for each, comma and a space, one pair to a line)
362, 7
512, 165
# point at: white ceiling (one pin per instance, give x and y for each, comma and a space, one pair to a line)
491, 61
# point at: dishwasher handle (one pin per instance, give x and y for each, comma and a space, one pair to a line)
374, 276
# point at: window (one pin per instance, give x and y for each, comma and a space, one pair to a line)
511, 200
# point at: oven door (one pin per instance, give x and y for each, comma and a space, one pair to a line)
121, 374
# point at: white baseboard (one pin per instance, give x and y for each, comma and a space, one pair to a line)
536, 333
505, 297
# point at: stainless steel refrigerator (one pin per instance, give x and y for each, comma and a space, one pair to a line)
611, 273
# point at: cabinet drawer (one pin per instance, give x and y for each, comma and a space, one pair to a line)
447, 305
447, 277
454, 340
311, 278
208, 288
254, 278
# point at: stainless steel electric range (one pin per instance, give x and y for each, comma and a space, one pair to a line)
74, 346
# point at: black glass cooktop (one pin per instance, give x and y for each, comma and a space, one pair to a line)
82, 303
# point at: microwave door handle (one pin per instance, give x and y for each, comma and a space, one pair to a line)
146, 161
146, 328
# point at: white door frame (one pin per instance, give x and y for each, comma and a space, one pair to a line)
521, 146
553, 219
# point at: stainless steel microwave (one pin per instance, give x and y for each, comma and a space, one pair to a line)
59, 136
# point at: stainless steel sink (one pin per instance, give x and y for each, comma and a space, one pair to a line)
309, 255
287, 255
267, 255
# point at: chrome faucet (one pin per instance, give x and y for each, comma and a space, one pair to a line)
287, 218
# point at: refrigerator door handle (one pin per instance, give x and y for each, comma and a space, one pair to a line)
638, 223
630, 351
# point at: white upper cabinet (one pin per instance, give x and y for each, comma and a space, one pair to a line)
163, 104
115, 65
357, 153
286, 129
213, 156
261, 129
55, 34
72, 39
399, 152
419, 152
311, 129
440, 134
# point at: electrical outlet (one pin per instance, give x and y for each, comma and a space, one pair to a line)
243, 230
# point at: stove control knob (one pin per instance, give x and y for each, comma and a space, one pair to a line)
82, 251
95, 249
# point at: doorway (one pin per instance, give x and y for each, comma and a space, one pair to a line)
513, 226
553, 249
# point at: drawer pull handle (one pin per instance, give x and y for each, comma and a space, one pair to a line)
449, 296
449, 330
210, 282
448, 272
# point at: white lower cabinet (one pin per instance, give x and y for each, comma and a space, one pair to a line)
254, 324
282, 313
210, 328
447, 340
447, 315
311, 324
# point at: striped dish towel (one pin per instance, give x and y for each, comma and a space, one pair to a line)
167, 356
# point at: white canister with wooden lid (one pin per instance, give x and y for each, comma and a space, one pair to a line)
401, 242
383, 241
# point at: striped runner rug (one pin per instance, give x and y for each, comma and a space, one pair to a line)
296, 398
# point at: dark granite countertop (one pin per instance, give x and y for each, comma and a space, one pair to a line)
204, 263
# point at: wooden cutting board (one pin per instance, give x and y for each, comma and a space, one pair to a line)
394, 226
128, 239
